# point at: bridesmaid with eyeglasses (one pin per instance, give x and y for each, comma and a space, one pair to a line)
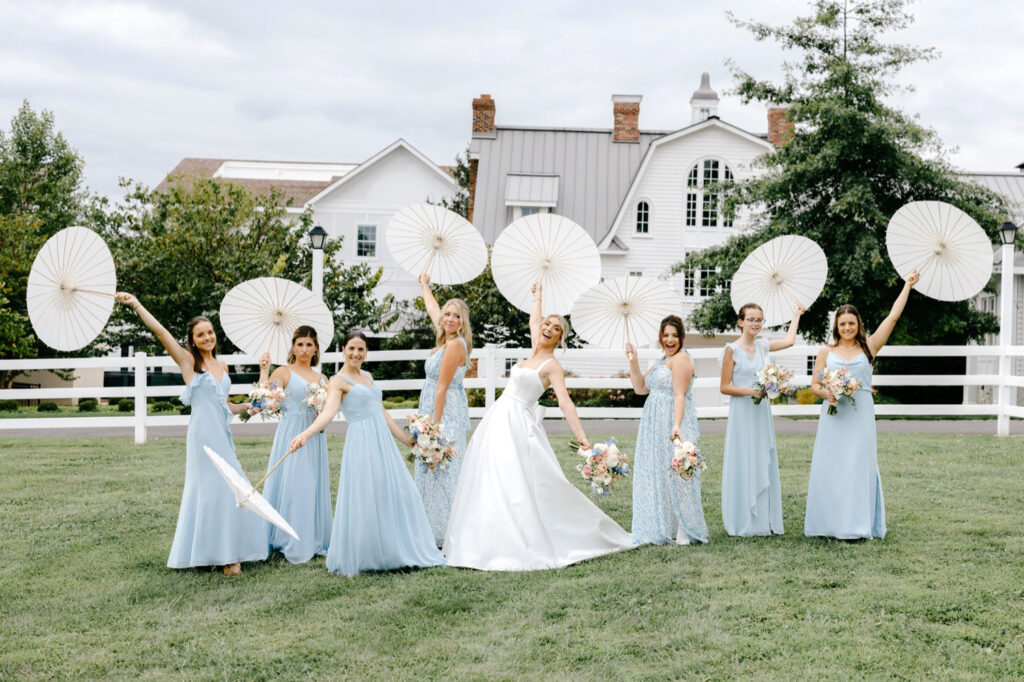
751, 492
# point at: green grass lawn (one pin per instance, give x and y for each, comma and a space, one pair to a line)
87, 525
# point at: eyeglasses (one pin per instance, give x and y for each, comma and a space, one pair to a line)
758, 320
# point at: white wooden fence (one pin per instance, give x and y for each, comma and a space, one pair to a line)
491, 370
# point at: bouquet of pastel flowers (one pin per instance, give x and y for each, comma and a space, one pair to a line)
603, 464
840, 383
265, 400
429, 446
687, 459
316, 396
773, 382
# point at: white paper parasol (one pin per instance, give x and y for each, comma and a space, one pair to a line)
548, 245
778, 275
247, 497
259, 315
432, 239
950, 251
624, 310
71, 289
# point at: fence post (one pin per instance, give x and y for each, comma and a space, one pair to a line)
490, 378
140, 398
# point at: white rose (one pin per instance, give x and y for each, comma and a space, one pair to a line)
423, 440
612, 460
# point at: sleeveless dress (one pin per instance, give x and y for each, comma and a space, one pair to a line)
844, 494
514, 510
438, 487
751, 492
379, 522
212, 530
300, 488
665, 507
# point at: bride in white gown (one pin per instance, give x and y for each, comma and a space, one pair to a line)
514, 510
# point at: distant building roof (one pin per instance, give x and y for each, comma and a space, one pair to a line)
258, 176
1009, 185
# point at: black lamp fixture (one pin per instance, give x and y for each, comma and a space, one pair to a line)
318, 235
1007, 232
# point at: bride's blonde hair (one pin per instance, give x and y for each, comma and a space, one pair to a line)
565, 328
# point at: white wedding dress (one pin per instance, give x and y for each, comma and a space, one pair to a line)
514, 510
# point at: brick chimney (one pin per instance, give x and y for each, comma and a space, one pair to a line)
483, 115
780, 128
626, 112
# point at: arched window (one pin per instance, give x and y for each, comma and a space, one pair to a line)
643, 217
702, 207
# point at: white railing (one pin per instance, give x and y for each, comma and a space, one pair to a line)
491, 362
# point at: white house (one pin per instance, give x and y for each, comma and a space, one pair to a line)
350, 200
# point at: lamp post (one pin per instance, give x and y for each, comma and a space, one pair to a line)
317, 237
1007, 233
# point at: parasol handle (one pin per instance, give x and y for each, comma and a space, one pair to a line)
92, 291
426, 268
625, 321
920, 268
260, 482
791, 296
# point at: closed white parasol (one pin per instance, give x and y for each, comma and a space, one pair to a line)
432, 239
246, 496
548, 246
71, 289
780, 274
261, 314
624, 310
949, 250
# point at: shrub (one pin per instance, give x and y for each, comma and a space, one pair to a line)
48, 406
8, 405
805, 396
126, 405
185, 409
88, 405
163, 406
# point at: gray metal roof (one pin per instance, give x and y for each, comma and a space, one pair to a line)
1009, 185
594, 172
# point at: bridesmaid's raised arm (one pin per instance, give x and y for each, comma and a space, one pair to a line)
790, 339
433, 309
877, 340
180, 356
635, 377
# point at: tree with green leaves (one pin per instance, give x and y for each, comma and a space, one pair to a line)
182, 250
852, 161
40, 173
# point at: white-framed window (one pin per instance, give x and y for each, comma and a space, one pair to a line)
704, 113
366, 241
705, 288
702, 174
636, 273
689, 283
643, 217
522, 211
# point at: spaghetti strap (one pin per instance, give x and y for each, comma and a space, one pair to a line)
345, 378
465, 349
541, 365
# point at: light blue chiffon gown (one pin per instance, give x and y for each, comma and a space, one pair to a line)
379, 521
437, 488
844, 495
751, 493
212, 530
665, 507
300, 488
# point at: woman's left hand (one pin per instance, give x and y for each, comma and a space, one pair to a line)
676, 433
914, 278
265, 360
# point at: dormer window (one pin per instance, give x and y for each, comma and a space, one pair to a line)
703, 207
643, 217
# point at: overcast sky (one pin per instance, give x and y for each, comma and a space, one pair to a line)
136, 86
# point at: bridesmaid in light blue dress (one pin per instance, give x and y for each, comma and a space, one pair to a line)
444, 398
211, 530
379, 521
844, 494
300, 487
665, 507
751, 493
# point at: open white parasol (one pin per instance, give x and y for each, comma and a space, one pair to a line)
548, 246
259, 315
71, 289
624, 310
246, 496
432, 239
778, 275
949, 250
